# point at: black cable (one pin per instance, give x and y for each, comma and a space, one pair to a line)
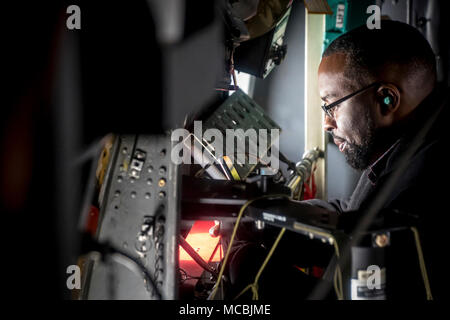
144, 270
290, 164
197, 258
106, 250
185, 276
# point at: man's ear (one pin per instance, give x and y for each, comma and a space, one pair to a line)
388, 96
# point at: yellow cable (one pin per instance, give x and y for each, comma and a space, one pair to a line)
337, 275
241, 212
423, 268
254, 285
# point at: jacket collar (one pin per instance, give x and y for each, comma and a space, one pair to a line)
384, 163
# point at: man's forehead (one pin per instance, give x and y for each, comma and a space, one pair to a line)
335, 63
332, 76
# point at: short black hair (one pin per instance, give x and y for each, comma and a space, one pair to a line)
395, 43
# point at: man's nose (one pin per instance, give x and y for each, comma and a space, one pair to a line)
329, 124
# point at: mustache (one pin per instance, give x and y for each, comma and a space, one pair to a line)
336, 137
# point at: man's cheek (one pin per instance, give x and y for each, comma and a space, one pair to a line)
345, 129
357, 131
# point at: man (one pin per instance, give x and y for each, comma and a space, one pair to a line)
379, 90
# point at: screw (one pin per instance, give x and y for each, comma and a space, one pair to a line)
381, 240
139, 155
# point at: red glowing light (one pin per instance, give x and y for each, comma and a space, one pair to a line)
200, 239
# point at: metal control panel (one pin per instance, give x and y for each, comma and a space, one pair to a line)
139, 214
260, 55
240, 111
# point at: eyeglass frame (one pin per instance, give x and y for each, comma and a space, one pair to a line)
327, 108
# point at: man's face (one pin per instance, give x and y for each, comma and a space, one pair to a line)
352, 125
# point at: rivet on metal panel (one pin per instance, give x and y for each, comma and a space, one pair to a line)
139, 154
382, 240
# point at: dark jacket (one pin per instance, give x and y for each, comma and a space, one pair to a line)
420, 192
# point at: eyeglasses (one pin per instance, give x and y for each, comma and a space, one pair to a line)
328, 109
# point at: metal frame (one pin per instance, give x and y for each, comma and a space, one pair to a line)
139, 214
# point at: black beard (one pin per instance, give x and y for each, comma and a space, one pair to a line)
374, 143
359, 157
